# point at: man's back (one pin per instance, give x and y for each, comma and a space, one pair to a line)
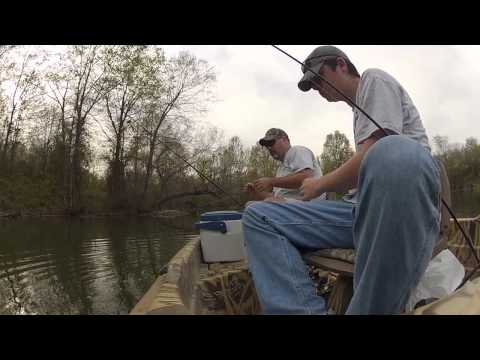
383, 98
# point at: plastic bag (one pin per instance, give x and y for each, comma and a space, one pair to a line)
443, 275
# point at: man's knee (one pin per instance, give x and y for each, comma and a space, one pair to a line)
396, 158
253, 213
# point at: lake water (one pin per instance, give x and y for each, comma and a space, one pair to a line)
98, 266
94, 266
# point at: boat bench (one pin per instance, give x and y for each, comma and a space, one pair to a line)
342, 261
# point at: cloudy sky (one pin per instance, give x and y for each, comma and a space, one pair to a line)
257, 89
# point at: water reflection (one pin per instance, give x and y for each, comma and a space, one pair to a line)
58, 266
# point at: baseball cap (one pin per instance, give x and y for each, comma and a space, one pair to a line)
314, 61
272, 134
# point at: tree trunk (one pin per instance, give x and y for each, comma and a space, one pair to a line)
76, 174
7, 137
117, 180
149, 170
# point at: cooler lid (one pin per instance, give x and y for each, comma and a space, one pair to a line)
221, 215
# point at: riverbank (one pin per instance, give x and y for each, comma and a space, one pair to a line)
464, 204
34, 213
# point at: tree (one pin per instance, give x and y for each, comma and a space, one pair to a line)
461, 161
336, 151
182, 83
25, 88
176, 179
472, 160
233, 164
441, 144
260, 163
42, 139
89, 86
128, 76
59, 83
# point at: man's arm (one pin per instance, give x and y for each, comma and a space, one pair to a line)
292, 181
343, 178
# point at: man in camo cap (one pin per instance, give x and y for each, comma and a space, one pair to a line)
297, 163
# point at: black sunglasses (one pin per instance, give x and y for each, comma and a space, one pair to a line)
268, 143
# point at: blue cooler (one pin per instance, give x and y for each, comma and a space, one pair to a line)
221, 236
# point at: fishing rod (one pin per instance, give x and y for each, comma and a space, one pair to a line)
352, 103
203, 176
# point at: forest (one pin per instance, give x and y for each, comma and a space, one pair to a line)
115, 129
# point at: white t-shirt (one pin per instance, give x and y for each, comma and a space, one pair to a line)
388, 103
296, 159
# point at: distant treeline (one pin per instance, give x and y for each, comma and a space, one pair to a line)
462, 162
101, 129
84, 129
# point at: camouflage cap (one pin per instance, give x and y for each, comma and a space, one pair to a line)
315, 61
272, 134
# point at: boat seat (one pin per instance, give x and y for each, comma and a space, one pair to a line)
342, 261
336, 260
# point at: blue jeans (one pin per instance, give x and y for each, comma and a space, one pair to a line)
393, 227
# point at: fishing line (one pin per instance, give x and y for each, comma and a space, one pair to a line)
203, 176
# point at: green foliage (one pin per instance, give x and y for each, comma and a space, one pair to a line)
87, 132
95, 194
260, 163
232, 166
22, 192
52, 119
336, 151
461, 161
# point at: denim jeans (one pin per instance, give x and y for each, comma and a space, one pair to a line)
393, 227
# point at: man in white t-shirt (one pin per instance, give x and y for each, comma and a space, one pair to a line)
392, 219
297, 163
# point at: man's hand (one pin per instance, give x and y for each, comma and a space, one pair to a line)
249, 188
311, 188
263, 184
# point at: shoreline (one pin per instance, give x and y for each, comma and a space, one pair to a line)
41, 213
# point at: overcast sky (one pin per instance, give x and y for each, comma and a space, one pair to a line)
257, 89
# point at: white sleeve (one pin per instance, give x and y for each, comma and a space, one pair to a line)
301, 159
381, 100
